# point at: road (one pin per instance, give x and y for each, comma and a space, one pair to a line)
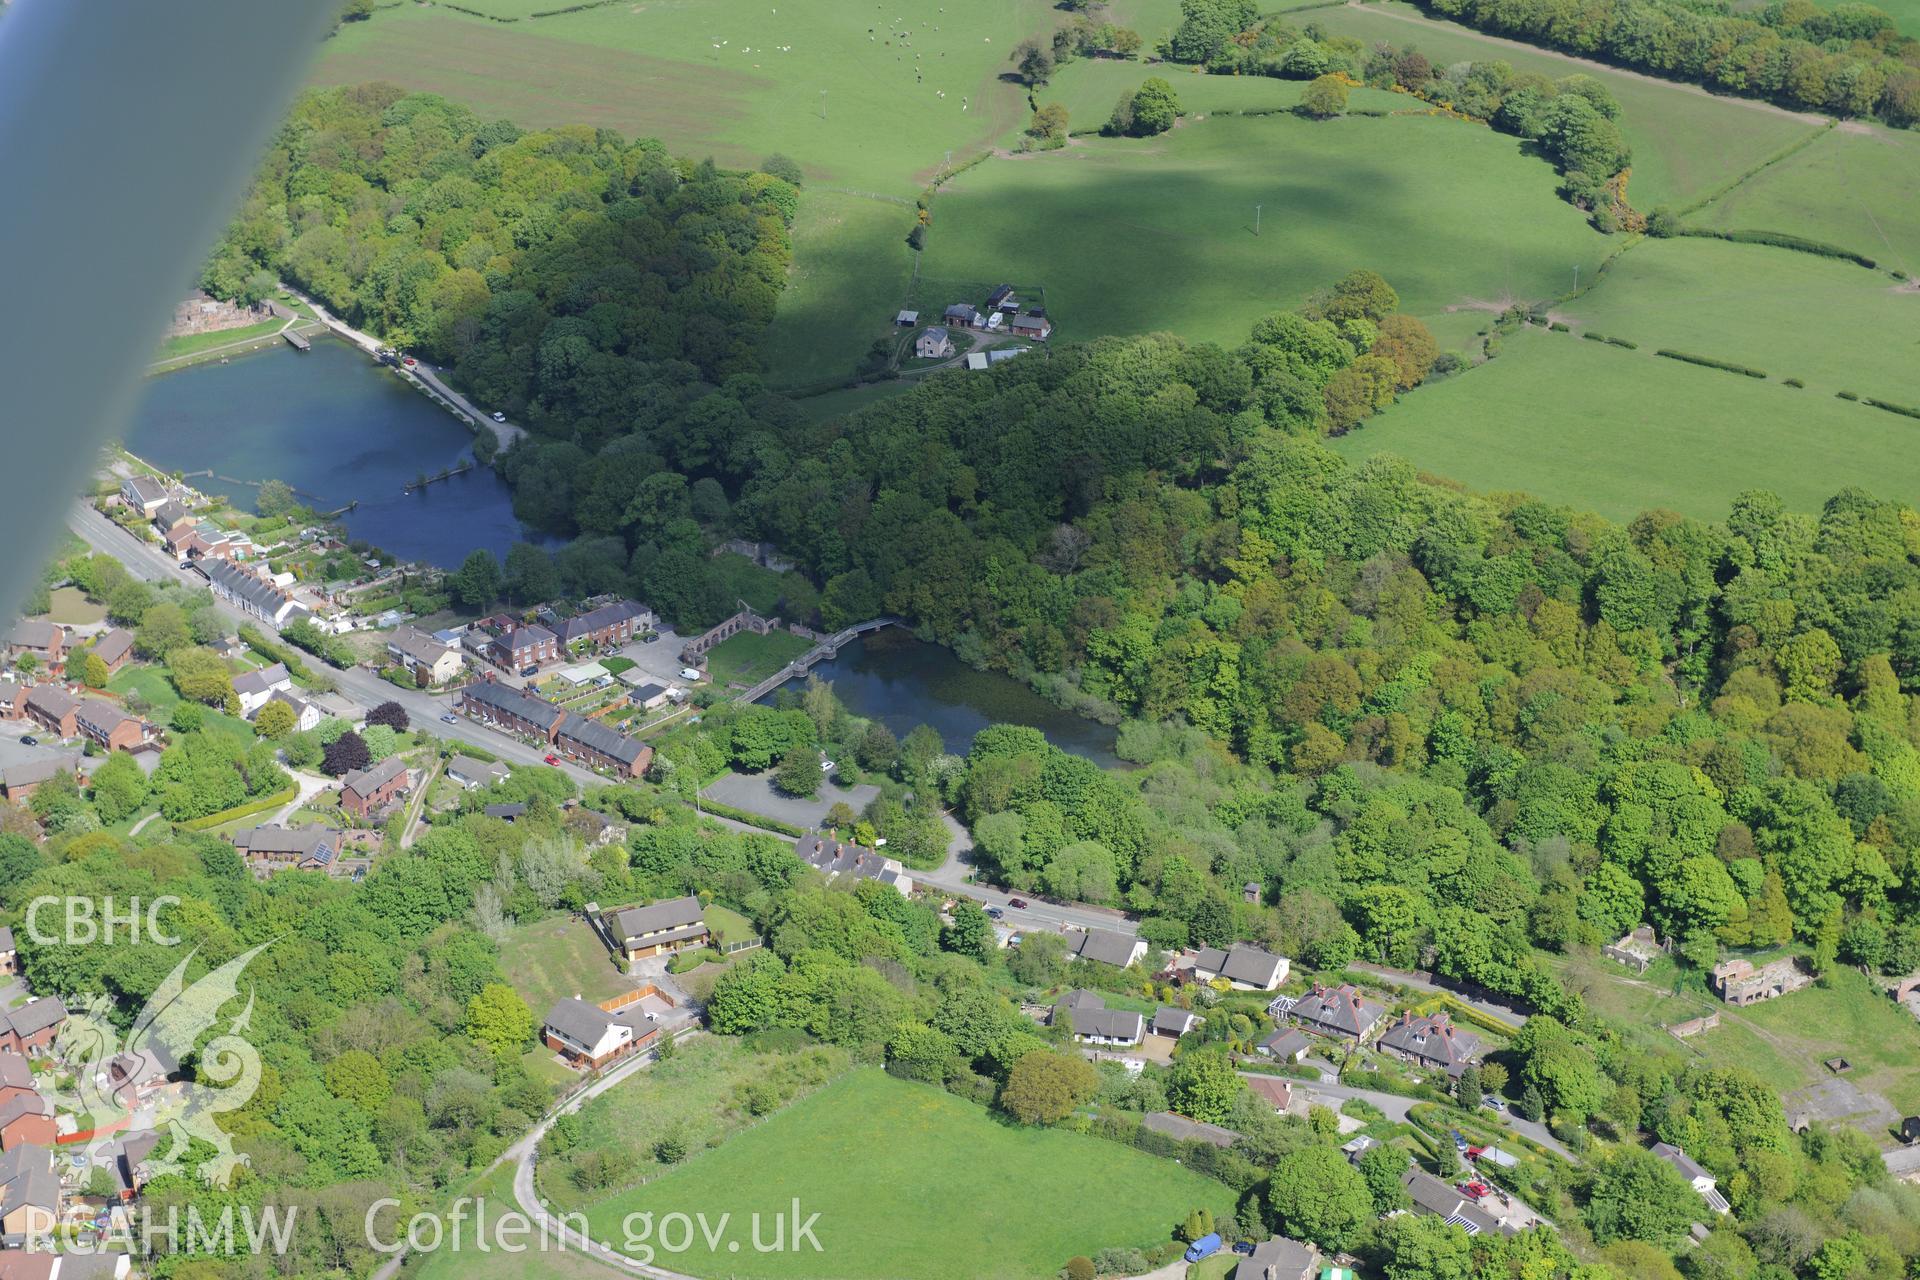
150, 563
1396, 1108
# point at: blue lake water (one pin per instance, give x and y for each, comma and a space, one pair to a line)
337, 427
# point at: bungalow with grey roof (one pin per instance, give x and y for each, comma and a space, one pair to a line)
1286, 1044
1106, 947
1435, 1196
1086, 1015
1245, 966
275, 848
471, 773
145, 493
1697, 1177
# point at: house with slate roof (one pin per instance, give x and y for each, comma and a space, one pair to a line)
834, 858
511, 710
674, 924
1086, 1015
1245, 966
367, 791
1340, 1013
1431, 1041
1106, 946
267, 849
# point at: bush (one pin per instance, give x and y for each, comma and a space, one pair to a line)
1708, 362
1078, 1269
1847, 395
1794, 382
1904, 410
1557, 327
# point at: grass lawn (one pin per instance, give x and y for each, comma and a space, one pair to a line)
728, 925
1406, 196
72, 608
912, 1183
1620, 432
1854, 187
698, 1095
835, 404
1685, 143
470, 1262
749, 659
788, 594
1834, 325
556, 957
187, 344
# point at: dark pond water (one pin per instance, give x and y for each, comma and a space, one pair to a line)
337, 427
902, 682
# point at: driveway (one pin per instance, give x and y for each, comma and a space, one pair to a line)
661, 659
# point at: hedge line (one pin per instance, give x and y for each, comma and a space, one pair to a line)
1904, 410
760, 820
1710, 363
261, 805
256, 641
1781, 240
1591, 336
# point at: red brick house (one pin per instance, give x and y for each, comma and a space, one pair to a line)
54, 709
13, 700
18, 781
512, 710
46, 641
115, 648
599, 747
32, 1027
367, 791
108, 725
590, 1036
25, 1117
518, 648
614, 623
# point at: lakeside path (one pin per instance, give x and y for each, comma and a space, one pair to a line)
507, 434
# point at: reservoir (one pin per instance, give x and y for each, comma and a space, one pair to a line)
891, 677
337, 427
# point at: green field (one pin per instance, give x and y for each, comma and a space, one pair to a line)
911, 1183
851, 265
1406, 196
152, 684
1620, 432
1781, 1041
1834, 325
749, 659
468, 1261
1685, 141
834, 404
187, 344
1854, 187
558, 957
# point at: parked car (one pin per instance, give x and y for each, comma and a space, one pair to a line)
186, 566
552, 758
1493, 1102
449, 718
409, 362
1243, 1247
498, 416
28, 740
826, 766
1020, 903
1205, 1247
690, 673
995, 912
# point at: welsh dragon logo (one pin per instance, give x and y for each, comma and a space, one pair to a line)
109, 1068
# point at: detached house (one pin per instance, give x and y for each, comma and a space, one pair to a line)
1107, 947
305, 715
427, 659
1245, 967
45, 640
273, 848
1286, 1044
114, 648
935, 344
1442, 1199
1341, 1013
1278, 1259
1698, 1178
1089, 1020
592, 1035
256, 687
171, 514
471, 773
1431, 1041
367, 791
32, 1027
145, 494
673, 925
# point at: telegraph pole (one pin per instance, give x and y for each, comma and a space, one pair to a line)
1256, 220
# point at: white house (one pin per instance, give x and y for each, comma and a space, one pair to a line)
1244, 966
305, 715
1107, 947
250, 593
256, 688
1699, 1179
471, 773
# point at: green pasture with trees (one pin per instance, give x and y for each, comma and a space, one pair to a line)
1620, 432
1402, 195
912, 1183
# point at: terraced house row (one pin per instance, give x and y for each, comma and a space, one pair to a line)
578, 737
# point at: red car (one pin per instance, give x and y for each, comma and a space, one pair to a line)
552, 759
409, 362
1017, 902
